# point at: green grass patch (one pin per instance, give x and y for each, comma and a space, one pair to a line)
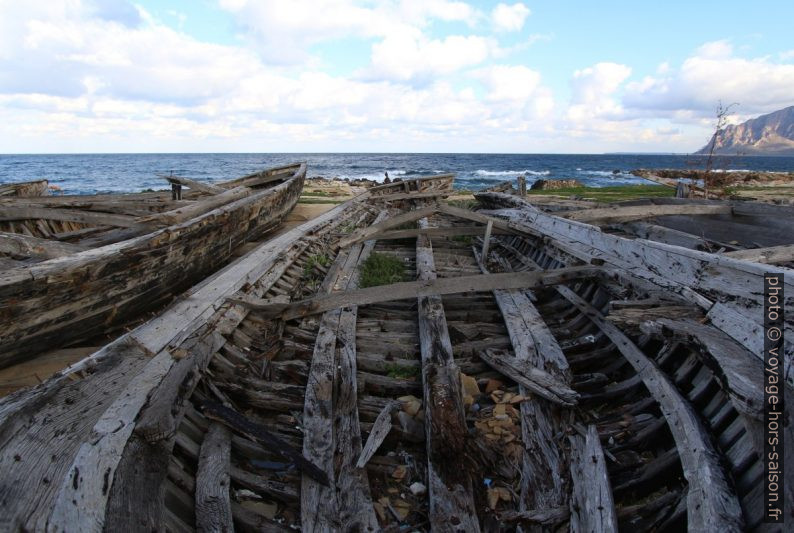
316, 259
468, 203
615, 193
381, 269
347, 227
402, 372
465, 239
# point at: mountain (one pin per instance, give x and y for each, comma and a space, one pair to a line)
771, 134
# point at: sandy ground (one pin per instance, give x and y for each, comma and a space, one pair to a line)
34, 372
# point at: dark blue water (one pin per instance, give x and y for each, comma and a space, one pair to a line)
87, 174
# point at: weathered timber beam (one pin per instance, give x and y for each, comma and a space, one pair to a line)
712, 504
654, 232
380, 430
771, 255
166, 404
453, 231
81, 502
625, 214
474, 216
531, 377
543, 478
258, 433
373, 230
19, 245
266, 176
420, 180
592, 506
539, 517
421, 288
195, 185
213, 503
331, 429
68, 215
450, 487
430, 193
199, 207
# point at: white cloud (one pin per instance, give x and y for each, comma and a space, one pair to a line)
410, 55
283, 30
594, 92
711, 74
507, 18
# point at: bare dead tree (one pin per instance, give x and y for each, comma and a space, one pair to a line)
722, 121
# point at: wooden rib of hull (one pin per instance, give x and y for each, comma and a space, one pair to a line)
75, 297
216, 416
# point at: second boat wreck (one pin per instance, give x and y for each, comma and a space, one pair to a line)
403, 364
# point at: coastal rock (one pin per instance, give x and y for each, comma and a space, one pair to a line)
544, 185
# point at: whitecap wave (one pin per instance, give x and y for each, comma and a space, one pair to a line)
607, 173
512, 172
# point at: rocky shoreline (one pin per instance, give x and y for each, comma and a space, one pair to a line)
721, 178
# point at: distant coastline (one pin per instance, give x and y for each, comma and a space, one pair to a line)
92, 173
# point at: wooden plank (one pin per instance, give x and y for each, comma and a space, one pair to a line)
332, 434
378, 433
771, 255
654, 232
68, 215
81, 501
467, 214
195, 185
543, 479
626, 213
373, 230
198, 208
20, 245
213, 504
450, 487
426, 181
712, 504
531, 377
260, 434
432, 193
166, 405
421, 288
486, 241
257, 179
452, 231
592, 506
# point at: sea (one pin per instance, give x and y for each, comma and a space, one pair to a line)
107, 173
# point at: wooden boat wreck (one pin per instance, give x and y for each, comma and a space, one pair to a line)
74, 267
25, 188
530, 372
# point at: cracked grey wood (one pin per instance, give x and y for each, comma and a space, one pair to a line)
592, 506
213, 504
450, 488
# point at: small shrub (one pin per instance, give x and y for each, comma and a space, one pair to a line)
381, 269
316, 259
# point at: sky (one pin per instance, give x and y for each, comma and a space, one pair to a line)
98, 76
